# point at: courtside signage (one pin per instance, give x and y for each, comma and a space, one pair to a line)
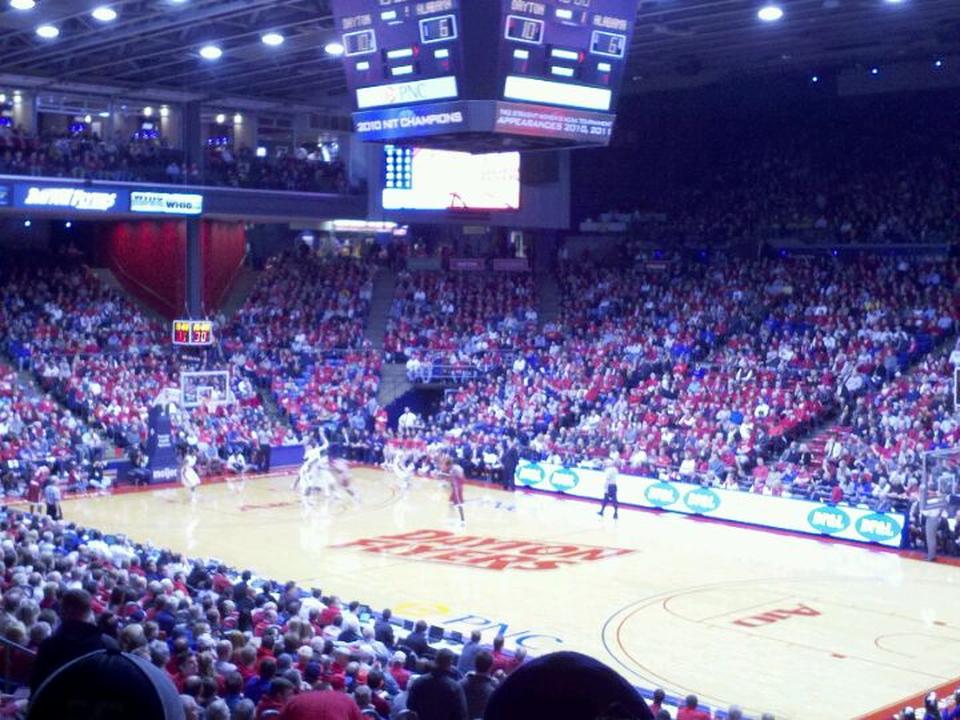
803, 516
166, 203
68, 198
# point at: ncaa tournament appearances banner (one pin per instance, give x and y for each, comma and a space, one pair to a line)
801, 516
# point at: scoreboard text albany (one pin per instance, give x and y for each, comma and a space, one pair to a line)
520, 73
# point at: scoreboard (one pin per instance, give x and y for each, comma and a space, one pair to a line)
192, 333
519, 73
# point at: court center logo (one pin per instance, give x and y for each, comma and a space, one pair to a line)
487, 553
828, 520
702, 500
878, 527
662, 494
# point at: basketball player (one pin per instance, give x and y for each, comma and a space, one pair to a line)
610, 474
188, 474
454, 474
403, 467
341, 472
35, 489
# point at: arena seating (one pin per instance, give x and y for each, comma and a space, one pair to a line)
87, 156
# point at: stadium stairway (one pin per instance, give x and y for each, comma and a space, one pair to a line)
384, 286
393, 383
108, 279
548, 290
243, 283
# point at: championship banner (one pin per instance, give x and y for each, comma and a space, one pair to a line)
801, 516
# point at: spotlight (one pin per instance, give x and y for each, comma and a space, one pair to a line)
874, 71
770, 12
237, 119
48, 32
333, 48
68, 224
938, 64
164, 111
815, 79
27, 223
272, 39
23, 4
211, 52
148, 111
220, 118
104, 14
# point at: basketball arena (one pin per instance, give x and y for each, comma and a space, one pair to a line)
480, 359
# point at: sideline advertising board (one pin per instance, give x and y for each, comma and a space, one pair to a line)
801, 516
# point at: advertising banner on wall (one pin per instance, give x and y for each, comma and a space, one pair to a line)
801, 516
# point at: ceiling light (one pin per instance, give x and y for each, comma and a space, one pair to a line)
87, 119
938, 64
148, 111
103, 114
164, 111
221, 119
3, 97
770, 13
237, 119
27, 223
210, 52
104, 14
894, 2
68, 224
874, 71
23, 4
815, 79
333, 48
48, 32
272, 39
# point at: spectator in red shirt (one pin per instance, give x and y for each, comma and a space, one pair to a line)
321, 705
691, 711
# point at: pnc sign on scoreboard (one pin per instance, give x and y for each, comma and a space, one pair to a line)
195, 333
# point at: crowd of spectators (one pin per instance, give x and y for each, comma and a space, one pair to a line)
232, 645
453, 323
86, 156
712, 371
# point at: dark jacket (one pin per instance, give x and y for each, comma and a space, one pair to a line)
477, 688
417, 641
71, 640
437, 696
383, 631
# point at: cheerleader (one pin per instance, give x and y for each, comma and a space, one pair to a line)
188, 473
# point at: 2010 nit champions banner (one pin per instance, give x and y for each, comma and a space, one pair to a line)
802, 516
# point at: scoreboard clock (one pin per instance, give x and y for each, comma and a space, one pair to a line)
193, 333
522, 73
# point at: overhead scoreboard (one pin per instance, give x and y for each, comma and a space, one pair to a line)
486, 73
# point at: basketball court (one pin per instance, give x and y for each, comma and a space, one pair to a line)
792, 625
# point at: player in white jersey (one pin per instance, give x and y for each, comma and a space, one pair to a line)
403, 467
189, 477
341, 472
315, 472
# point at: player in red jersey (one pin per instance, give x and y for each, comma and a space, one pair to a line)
454, 474
35, 489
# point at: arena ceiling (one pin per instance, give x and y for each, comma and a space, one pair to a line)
154, 44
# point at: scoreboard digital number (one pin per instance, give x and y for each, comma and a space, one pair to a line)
193, 333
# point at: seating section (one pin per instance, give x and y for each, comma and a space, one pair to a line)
86, 156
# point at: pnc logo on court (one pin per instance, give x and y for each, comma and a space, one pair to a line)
662, 494
564, 479
828, 520
878, 527
702, 500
